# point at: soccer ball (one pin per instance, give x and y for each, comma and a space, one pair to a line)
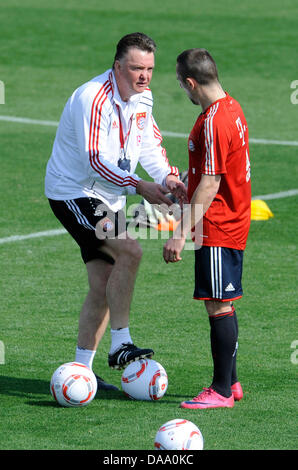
179, 434
144, 379
73, 384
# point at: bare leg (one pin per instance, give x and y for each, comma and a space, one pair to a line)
214, 307
111, 291
120, 286
94, 315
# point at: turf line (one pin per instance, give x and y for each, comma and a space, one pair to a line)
55, 232
45, 233
178, 135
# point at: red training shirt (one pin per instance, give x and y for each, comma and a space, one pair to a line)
218, 145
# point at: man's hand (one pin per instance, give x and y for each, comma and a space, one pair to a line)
153, 192
177, 188
172, 250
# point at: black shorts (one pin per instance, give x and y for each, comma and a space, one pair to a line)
218, 273
80, 216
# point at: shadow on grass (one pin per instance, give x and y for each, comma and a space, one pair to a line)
17, 387
32, 389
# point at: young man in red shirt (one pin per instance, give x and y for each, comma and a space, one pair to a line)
219, 181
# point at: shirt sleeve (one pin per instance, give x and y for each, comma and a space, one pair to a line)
91, 117
153, 156
216, 145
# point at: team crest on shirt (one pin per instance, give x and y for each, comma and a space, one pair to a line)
140, 119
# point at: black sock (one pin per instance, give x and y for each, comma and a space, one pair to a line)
223, 341
234, 378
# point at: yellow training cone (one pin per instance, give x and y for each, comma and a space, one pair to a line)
260, 210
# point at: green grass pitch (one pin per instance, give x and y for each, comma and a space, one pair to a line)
47, 49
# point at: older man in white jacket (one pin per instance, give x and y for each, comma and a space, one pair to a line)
106, 128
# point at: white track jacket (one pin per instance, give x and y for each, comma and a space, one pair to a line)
95, 128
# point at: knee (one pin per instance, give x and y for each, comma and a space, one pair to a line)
132, 249
214, 307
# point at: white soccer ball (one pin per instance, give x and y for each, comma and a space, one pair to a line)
73, 384
145, 379
179, 434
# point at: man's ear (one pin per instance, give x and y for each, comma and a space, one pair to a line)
117, 65
191, 83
